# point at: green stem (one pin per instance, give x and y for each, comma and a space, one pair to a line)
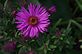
75, 10
5, 4
57, 23
69, 24
77, 24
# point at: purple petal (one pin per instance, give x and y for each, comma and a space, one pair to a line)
52, 9
18, 22
42, 13
30, 8
43, 17
40, 29
20, 19
44, 21
21, 14
23, 27
34, 32
25, 11
41, 10
26, 32
43, 26
37, 9
20, 25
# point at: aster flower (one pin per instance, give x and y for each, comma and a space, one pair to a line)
52, 9
32, 21
13, 13
9, 46
58, 33
30, 52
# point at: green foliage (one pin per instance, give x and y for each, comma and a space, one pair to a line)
63, 41
79, 3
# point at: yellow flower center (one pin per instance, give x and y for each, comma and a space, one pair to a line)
33, 20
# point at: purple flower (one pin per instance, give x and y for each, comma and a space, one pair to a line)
9, 46
58, 33
32, 21
13, 13
31, 52
52, 9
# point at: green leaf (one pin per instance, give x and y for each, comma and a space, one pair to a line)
34, 1
79, 2
45, 51
57, 23
5, 4
1, 52
23, 50
53, 46
77, 24
47, 43
17, 34
41, 48
53, 37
